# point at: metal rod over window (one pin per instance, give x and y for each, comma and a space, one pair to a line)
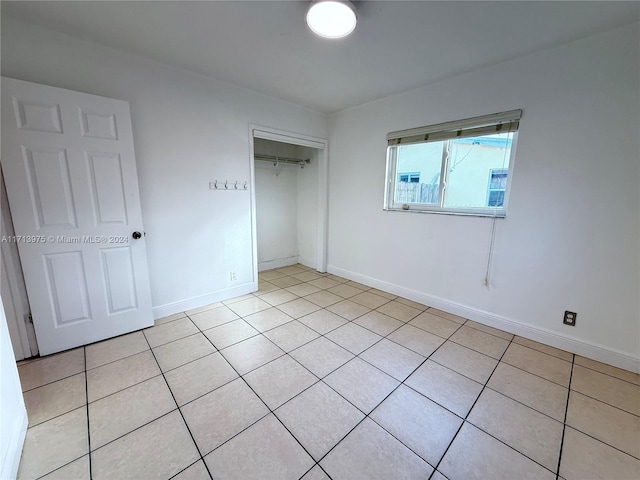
476, 126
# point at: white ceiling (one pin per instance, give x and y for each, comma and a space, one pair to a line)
266, 46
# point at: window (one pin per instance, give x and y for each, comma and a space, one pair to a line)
497, 187
443, 168
413, 177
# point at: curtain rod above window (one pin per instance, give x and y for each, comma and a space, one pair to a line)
483, 125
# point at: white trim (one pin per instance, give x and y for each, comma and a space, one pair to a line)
283, 136
11, 460
252, 193
202, 300
277, 263
15, 296
16, 327
579, 347
323, 202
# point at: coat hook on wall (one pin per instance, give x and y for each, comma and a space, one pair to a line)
229, 185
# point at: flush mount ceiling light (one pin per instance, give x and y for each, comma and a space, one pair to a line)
331, 18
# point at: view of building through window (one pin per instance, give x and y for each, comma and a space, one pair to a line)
475, 169
497, 187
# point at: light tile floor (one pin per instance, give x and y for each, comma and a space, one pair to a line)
317, 377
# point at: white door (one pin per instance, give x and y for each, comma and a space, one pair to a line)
70, 173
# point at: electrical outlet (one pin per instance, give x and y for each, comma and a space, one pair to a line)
570, 318
232, 276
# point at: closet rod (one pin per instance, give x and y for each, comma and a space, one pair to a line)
277, 160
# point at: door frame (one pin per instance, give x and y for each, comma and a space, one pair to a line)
322, 145
13, 291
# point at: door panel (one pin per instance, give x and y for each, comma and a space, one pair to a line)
50, 187
105, 172
98, 125
37, 117
119, 279
68, 289
72, 185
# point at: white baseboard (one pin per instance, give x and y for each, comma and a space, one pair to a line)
580, 347
277, 263
11, 460
200, 301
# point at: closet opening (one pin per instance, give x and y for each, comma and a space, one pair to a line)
290, 201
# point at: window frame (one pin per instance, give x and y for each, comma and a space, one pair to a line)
439, 208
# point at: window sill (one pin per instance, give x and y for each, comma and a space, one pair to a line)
443, 211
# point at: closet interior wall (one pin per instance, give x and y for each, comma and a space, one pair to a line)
286, 206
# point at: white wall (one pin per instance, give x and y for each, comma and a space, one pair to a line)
188, 131
570, 240
13, 414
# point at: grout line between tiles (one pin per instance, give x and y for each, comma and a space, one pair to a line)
114, 361
564, 422
608, 375
466, 324
187, 467
515, 340
179, 410
444, 454
498, 439
603, 442
134, 429
387, 396
536, 375
500, 360
522, 403
31, 425
52, 382
271, 412
162, 372
37, 358
86, 399
367, 415
122, 389
358, 356
61, 466
320, 380
544, 353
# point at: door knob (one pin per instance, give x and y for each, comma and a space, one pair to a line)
136, 235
